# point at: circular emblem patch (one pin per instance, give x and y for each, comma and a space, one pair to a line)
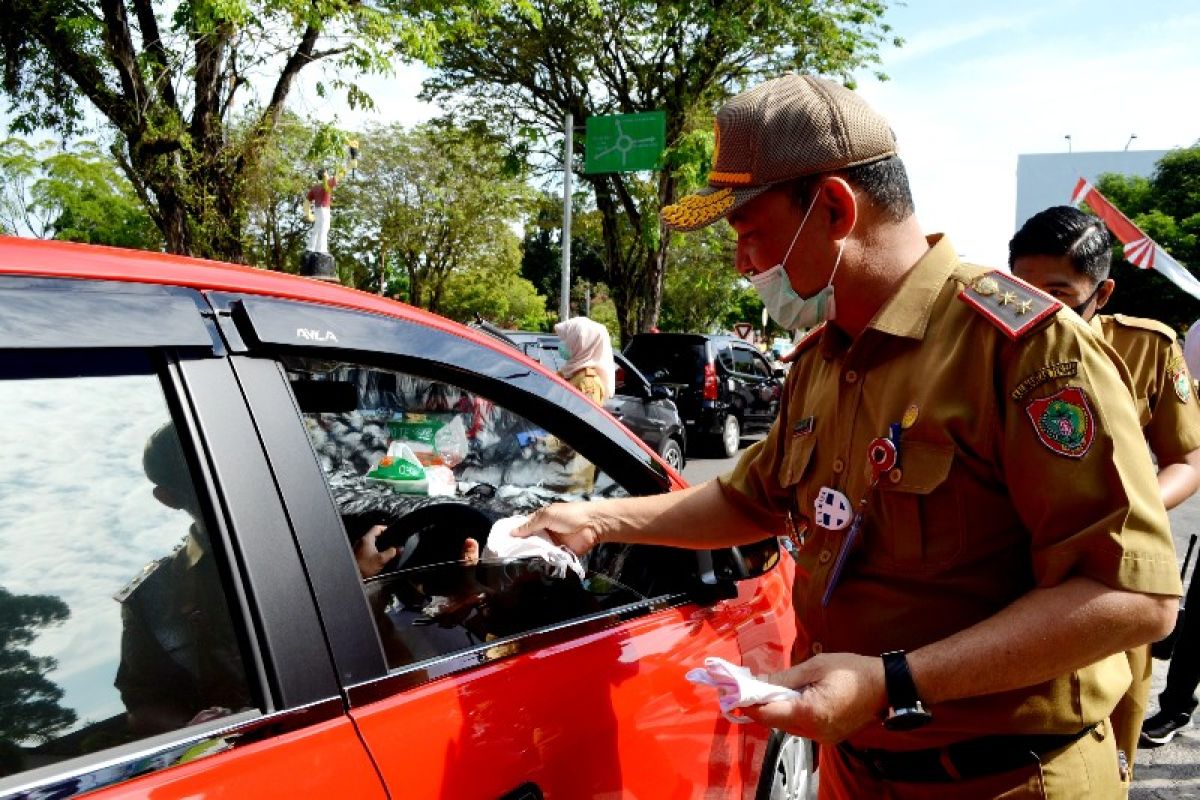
832, 509
1063, 421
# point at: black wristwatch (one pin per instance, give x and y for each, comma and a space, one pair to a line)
905, 710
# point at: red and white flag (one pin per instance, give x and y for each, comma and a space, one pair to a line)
1140, 249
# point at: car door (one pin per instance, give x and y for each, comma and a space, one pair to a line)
756, 386
166, 642
500, 680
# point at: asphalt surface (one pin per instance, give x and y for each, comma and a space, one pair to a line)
1170, 772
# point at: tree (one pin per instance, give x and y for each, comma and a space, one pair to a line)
169, 76
431, 202
29, 702
74, 193
522, 73
701, 287
1167, 208
275, 230
541, 255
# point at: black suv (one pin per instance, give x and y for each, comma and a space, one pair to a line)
646, 408
723, 386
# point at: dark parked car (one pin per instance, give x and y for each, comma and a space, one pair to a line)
646, 408
194, 457
724, 387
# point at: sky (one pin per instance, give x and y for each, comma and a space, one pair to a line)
975, 85
978, 83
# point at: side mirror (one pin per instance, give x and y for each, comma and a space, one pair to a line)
660, 392
738, 563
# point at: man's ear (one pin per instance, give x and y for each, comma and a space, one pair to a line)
1104, 292
842, 205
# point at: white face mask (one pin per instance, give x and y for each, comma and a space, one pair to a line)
788, 309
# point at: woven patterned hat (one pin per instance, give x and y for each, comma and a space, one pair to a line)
786, 128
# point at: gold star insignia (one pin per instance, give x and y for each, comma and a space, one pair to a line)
1006, 298
1024, 307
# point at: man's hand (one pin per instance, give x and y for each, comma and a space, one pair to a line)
841, 693
572, 525
370, 560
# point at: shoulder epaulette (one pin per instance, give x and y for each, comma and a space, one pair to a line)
1145, 324
1009, 303
810, 338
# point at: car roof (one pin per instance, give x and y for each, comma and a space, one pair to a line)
41, 258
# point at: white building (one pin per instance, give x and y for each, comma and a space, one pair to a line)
1047, 179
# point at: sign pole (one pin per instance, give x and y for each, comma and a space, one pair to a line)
564, 302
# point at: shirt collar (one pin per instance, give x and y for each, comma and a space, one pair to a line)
907, 312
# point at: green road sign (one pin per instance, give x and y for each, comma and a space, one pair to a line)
625, 142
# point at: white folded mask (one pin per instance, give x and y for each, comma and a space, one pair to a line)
502, 544
737, 687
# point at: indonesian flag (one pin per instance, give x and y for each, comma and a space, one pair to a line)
1140, 249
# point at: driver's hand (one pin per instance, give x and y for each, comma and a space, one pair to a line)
371, 561
470, 552
572, 525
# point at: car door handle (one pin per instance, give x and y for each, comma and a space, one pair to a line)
526, 791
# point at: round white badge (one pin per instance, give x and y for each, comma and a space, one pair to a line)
832, 509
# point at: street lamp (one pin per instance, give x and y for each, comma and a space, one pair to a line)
1068, 138
1132, 136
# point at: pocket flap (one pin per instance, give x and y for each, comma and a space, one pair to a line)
795, 460
923, 467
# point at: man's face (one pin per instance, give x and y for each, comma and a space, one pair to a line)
1057, 277
765, 227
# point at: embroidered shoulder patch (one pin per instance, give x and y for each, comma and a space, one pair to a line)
1181, 381
1064, 421
1009, 303
1063, 369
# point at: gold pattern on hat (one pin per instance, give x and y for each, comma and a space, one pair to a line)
698, 209
986, 286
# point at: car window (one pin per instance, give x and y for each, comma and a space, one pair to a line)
116, 622
759, 366
725, 355
667, 359
438, 465
743, 361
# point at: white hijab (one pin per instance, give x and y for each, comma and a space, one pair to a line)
589, 345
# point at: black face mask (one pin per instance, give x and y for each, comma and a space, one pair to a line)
1080, 308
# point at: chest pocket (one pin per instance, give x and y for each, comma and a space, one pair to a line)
917, 513
796, 458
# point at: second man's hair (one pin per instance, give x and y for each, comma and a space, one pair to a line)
1066, 231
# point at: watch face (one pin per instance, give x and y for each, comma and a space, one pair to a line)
907, 719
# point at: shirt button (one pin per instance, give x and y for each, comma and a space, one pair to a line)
851, 376
895, 475
825, 556
838, 465
817, 648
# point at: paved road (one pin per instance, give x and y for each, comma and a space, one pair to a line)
1165, 773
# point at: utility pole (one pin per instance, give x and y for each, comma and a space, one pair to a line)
1132, 136
564, 302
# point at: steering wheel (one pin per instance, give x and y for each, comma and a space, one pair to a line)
433, 534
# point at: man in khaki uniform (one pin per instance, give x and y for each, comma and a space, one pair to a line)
979, 533
1068, 254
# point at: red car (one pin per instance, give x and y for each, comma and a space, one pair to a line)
244, 527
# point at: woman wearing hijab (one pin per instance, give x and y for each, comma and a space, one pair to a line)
587, 356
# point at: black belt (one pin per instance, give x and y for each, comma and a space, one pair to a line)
973, 758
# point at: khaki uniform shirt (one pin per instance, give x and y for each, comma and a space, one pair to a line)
1162, 385
1022, 465
588, 381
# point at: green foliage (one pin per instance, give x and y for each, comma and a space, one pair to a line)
521, 67
172, 80
72, 193
701, 287
498, 295
1167, 208
29, 703
430, 202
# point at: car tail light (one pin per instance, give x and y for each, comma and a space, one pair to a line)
710, 382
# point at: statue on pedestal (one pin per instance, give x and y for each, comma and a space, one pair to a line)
316, 262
